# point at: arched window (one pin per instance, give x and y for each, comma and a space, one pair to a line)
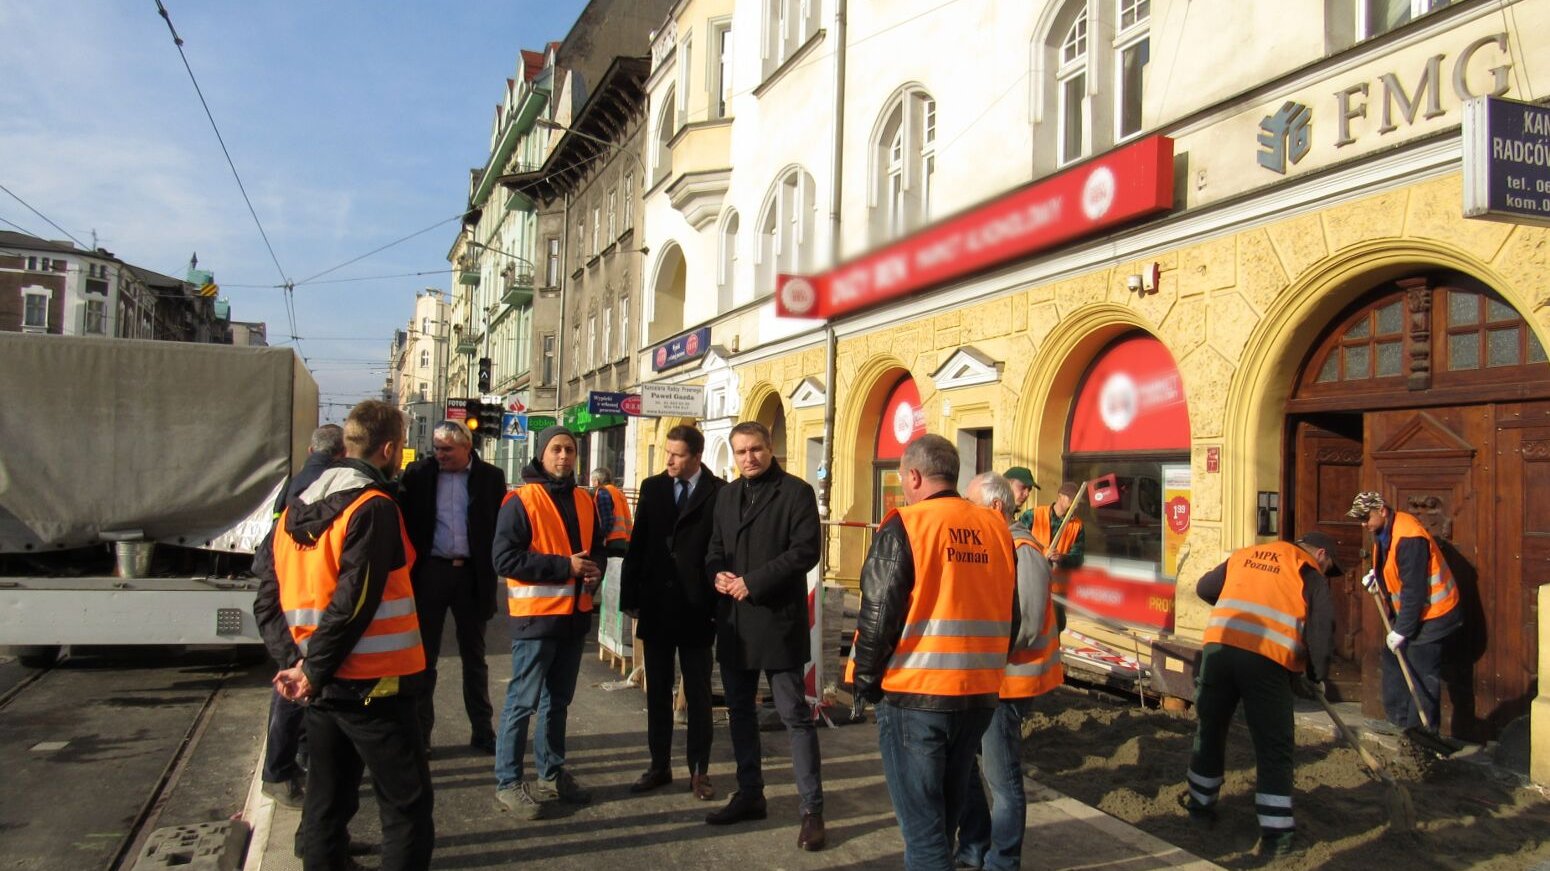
661, 154
1071, 89
904, 160
786, 228
726, 263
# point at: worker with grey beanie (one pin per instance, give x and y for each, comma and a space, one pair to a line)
549, 549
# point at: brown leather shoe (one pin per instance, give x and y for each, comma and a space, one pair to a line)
741, 807
700, 785
811, 837
652, 779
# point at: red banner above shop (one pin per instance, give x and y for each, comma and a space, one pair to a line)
1127, 183
1131, 400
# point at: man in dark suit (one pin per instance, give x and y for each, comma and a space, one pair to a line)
449, 502
763, 541
665, 588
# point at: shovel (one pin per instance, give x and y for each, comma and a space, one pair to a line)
1426, 737
1401, 808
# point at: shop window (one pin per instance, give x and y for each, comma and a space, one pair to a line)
904, 160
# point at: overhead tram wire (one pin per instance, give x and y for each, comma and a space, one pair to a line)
314, 278
46, 219
289, 286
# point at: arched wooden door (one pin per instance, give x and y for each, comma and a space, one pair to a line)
1434, 392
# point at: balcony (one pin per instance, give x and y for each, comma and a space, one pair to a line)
518, 289
468, 276
466, 340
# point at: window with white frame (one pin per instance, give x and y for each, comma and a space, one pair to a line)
721, 68
32, 264
552, 264
1377, 17
608, 335
597, 230
1071, 84
425, 326
613, 214
546, 368
629, 200
425, 392
662, 155
726, 263
96, 321
575, 343
425, 359
1132, 55
581, 240
35, 310
788, 25
786, 228
591, 342
626, 342
685, 80
904, 158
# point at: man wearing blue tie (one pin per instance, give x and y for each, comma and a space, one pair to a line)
665, 588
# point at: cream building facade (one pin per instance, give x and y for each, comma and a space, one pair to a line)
418, 361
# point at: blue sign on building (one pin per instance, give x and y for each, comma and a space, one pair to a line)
681, 349
599, 402
1507, 161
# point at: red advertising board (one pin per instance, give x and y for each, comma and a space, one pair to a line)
1132, 400
1144, 603
1128, 183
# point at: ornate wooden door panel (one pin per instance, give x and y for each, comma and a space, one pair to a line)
1328, 474
1521, 564
1438, 465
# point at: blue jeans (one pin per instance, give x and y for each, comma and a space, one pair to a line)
990, 836
543, 681
927, 758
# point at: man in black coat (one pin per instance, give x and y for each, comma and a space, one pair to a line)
763, 541
664, 586
449, 502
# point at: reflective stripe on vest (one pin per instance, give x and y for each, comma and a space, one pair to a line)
551, 598
308, 577
1261, 608
959, 622
1442, 593
623, 526
1038, 669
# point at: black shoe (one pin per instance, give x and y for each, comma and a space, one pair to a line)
743, 806
484, 744
1281, 845
288, 793
652, 779
1202, 815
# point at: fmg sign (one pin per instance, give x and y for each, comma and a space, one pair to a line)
1121, 186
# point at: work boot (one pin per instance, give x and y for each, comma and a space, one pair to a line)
520, 800
1202, 815
1279, 845
563, 787
288, 793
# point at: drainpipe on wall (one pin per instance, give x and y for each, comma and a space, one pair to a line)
826, 470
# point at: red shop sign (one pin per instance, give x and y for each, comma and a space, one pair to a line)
1132, 400
1125, 184
902, 422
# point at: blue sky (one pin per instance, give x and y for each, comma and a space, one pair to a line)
352, 123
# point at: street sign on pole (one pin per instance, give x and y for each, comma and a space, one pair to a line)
672, 400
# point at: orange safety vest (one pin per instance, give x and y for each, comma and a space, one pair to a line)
309, 575
549, 598
1261, 608
623, 527
959, 623
1043, 527
1443, 594
1036, 670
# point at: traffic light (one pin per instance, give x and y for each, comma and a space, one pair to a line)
490, 420
474, 418
484, 374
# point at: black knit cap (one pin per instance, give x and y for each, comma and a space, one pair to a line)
547, 433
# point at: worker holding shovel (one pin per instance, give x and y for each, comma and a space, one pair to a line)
1270, 623
1060, 536
1419, 603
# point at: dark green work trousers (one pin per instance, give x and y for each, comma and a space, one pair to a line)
1229, 675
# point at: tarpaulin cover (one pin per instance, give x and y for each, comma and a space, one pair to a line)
183, 442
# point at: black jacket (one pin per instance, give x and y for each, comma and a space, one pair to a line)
772, 545
664, 569
486, 489
315, 464
372, 548
887, 583
513, 557
1414, 556
1318, 632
